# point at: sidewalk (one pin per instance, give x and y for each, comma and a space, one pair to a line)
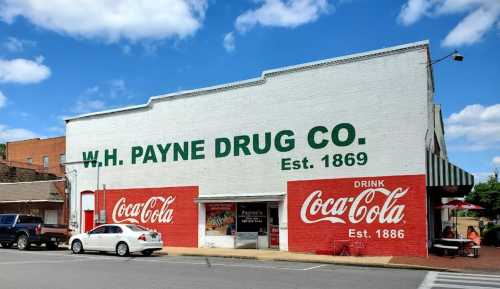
489, 260
273, 255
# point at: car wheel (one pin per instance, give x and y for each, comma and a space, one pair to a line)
77, 247
122, 249
147, 253
7, 244
22, 242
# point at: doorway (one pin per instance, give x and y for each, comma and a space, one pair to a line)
89, 220
274, 228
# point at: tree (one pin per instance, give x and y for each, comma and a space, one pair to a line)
487, 195
2, 151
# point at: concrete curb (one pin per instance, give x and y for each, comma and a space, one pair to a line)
360, 264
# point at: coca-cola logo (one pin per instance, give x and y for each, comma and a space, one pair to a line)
154, 210
361, 208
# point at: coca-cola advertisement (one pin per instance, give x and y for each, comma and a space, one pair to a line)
171, 211
358, 216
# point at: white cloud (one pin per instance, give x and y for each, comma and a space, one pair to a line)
23, 71
14, 44
496, 161
110, 20
476, 127
413, 10
117, 88
481, 177
3, 100
279, 13
473, 27
481, 17
88, 105
12, 134
229, 44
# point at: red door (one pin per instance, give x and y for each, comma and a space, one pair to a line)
89, 220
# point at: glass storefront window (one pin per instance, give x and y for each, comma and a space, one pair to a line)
220, 219
252, 217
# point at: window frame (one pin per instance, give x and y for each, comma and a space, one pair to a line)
45, 165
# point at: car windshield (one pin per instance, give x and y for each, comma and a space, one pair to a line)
137, 228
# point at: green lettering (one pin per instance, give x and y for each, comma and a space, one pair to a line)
150, 155
163, 150
108, 157
183, 151
241, 142
197, 149
137, 152
351, 134
267, 143
90, 157
289, 143
285, 164
219, 153
310, 137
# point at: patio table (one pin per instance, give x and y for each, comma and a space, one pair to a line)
461, 243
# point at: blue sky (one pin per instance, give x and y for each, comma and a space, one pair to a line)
59, 59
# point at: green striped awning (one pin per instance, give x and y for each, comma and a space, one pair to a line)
441, 173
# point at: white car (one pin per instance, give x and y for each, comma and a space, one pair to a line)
122, 239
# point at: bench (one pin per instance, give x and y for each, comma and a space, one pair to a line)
446, 248
475, 250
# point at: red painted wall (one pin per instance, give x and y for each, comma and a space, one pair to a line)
321, 211
171, 211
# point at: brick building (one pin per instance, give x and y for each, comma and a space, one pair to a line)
342, 152
18, 172
45, 155
32, 179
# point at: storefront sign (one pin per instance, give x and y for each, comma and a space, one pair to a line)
387, 215
220, 219
170, 211
250, 144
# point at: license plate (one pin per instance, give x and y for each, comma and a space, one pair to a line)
154, 235
53, 239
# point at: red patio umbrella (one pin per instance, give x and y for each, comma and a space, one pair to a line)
459, 205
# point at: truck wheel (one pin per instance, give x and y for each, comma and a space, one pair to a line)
51, 245
22, 242
122, 249
7, 245
77, 247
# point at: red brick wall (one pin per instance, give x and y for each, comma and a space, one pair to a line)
20, 151
333, 215
176, 221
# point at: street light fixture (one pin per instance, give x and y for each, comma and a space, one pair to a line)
454, 55
457, 56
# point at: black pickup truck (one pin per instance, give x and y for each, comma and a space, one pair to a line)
26, 230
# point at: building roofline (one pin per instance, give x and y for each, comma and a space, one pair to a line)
264, 75
35, 138
46, 181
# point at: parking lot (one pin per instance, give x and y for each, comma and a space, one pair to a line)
61, 269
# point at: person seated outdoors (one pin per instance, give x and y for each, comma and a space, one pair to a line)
448, 233
476, 240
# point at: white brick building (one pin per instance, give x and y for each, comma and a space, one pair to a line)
359, 122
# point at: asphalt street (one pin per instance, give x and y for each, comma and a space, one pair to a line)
61, 269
